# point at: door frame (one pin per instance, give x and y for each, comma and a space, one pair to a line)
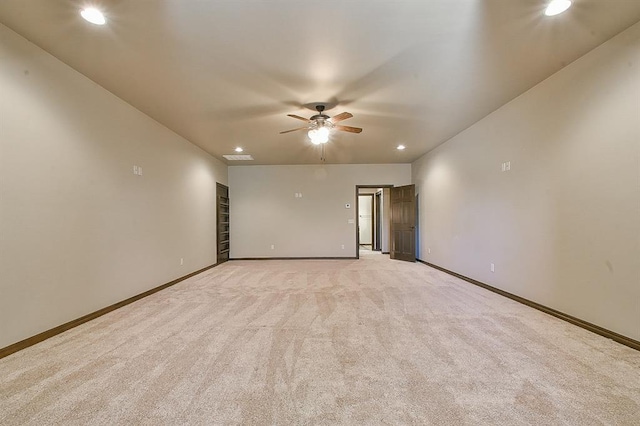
357, 231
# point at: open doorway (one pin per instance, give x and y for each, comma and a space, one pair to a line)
373, 218
392, 223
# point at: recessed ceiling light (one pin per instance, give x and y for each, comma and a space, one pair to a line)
93, 15
238, 149
400, 147
557, 6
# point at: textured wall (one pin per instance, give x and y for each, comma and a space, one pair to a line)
265, 211
78, 230
563, 225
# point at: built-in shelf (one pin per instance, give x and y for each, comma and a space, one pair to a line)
222, 221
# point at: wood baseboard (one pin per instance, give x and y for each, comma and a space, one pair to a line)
30, 341
627, 341
294, 258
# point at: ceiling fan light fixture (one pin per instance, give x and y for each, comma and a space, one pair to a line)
93, 15
556, 7
320, 126
319, 136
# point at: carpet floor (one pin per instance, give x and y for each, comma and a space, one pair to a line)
369, 341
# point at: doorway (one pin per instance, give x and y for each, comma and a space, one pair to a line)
395, 225
373, 219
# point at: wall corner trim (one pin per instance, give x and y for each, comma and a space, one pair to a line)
30, 341
627, 341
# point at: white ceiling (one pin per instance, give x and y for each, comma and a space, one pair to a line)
225, 73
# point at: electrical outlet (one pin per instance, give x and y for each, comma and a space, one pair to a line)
273, 246
343, 247
182, 261
429, 250
493, 267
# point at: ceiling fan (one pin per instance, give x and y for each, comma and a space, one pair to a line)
320, 125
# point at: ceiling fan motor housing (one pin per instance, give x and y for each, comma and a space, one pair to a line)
320, 116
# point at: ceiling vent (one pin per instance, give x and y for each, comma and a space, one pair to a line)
238, 157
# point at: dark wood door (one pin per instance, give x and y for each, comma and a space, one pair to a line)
403, 223
222, 221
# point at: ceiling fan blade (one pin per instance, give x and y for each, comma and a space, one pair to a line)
294, 130
341, 116
298, 117
348, 129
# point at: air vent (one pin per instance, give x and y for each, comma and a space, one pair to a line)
236, 157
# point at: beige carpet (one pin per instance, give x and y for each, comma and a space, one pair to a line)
372, 341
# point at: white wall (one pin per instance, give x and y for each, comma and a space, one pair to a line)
79, 231
563, 226
365, 213
264, 210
